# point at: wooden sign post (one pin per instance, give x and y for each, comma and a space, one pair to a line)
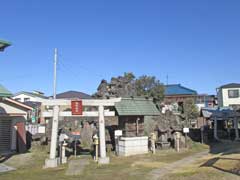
185, 131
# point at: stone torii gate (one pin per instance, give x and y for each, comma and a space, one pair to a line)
56, 103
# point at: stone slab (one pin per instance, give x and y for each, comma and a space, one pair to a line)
105, 160
5, 168
51, 163
76, 167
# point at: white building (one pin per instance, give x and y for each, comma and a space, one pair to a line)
34, 96
229, 95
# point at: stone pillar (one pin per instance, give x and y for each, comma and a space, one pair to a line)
215, 129
64, 158
103, 158
236, 128
53, 161
177, 141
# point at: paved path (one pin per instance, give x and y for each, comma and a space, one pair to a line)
157, 174
5, 168
76, 167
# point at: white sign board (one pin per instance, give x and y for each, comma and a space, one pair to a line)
41, 129
118, 133
186, 130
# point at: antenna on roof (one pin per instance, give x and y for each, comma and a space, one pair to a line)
167, 79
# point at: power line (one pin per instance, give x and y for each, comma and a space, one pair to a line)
65, 68
70, 66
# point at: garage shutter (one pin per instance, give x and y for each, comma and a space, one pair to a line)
5, 135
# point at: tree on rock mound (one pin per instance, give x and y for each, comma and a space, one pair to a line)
128, 85
149, 86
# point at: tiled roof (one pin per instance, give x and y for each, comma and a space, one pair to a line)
4, 92
136, 106
231, 85
73, 95
4, 44
220, 113
177, 89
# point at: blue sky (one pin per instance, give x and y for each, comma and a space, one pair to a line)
195, 43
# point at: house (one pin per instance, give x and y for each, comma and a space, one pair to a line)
229, 95
34, 100
176, 93
36, 111
73, 95
13, 115
24, 96
3, 45
205, 100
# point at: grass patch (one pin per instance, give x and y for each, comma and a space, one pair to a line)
214, 166
196, 174
29, 166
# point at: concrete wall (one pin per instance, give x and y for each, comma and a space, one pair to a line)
128, 146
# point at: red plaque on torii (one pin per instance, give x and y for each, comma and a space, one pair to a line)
77, 108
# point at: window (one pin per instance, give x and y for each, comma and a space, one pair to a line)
235, 106
233, 93
26, 99
18, 99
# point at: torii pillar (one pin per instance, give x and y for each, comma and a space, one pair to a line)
215, 128
53, 161
103, 158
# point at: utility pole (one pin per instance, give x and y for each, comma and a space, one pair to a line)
55, 74
53, 161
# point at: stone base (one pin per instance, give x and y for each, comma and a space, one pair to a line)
64, 160
51, 163
128, 146
105, 160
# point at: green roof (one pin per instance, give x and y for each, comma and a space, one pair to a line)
4, 44
4, 92
136, 107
